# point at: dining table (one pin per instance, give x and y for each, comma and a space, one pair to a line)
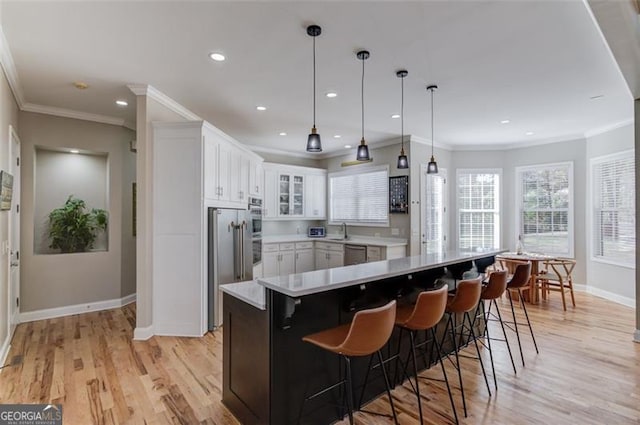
535, 259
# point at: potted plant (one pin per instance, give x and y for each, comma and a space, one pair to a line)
72, 229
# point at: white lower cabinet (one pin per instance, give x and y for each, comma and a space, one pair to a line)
278, 259
329, 255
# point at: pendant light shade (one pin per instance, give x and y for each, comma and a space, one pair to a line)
313, 141
432, 167
362, 153
403, 162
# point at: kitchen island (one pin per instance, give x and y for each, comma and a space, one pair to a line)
267, 367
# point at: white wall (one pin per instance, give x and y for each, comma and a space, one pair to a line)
50, 281
613, 279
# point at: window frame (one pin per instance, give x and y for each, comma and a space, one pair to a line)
593, 198
499, 173
519, 206
358, 170
442, 172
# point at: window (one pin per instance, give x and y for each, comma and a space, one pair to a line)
433, 200
545, 205
360, 197
613, 182
478, 193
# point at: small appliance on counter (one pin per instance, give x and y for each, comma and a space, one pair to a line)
316, 232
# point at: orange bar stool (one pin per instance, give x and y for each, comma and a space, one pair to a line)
367, 333
424, 315
465, 300
518, 283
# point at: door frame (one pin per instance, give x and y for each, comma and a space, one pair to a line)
14, 220
423, 205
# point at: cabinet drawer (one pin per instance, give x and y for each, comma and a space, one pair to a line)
270, 247
286, 246
304, 245
330, 246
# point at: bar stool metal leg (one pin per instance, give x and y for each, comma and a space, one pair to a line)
488, 338
444, 372
515, 325
524, 307
349, 389
388, 386
504, 333
475, 340
415, 371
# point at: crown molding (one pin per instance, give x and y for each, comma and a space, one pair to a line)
69, 113
9, 67
607, 128
438, 145
163, 99
263, 149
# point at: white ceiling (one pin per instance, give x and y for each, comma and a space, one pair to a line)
535, 63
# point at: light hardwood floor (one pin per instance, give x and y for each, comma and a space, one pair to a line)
587, 372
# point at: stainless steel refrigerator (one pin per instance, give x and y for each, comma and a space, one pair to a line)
230, 255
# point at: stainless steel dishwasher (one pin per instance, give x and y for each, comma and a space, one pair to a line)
355, 254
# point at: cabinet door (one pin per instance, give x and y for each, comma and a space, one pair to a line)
287, 263
322, 259
374, 254
270, 264
270, 209
255, 178
210, 168
224, 170
297, 196
336, 259
284, 195
315, 197
304, 260
239, 182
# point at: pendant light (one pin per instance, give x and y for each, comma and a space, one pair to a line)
403, 162
363, 150
432, 168
313, 142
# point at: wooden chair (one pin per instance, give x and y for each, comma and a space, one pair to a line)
557, 276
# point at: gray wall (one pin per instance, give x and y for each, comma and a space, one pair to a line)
58, 175
50, 281
8, 116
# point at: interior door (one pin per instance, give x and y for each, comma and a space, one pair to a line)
14, 230
433, 221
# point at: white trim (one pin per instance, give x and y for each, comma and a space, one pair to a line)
4, 350
636, 335
9, 67
607, 295
69, 113
173, 329
424, 141
51, 313
608, 128
520, 144
163, 99
263, 149
143, 334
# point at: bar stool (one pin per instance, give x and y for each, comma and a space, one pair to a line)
424, 315
482, 263
457, 271
465, 300
367, 333
518, 283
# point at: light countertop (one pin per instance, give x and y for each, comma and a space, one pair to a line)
355, 239
250, 292
297, 285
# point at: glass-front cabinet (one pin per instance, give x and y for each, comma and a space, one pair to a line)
290, 195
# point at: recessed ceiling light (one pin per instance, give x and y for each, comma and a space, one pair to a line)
529, 133
74, 151
218, 57
332, 94
395, 116
120, 102
347, 146
261, 108
505, 122
80, 85
336, 136
282, 133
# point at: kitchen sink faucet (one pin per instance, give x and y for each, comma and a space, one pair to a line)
343, 227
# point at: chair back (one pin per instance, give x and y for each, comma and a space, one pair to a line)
496, 286
370, 330
466, 297
521, 276
428, 310
561, 267
483, 263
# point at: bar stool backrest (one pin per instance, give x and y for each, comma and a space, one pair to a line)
496, 286
370, 330
428, 310
520, 276
467, 296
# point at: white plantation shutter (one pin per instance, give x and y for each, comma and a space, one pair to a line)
434, 213
360, 197
614, 208
478, 193
545, 218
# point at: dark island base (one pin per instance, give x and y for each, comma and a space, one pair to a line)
268, 369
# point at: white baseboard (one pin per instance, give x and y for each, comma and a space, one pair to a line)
178, 329
636, 336
620, 299
143, 334
51, 313
4, 350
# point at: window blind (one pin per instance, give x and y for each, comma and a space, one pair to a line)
361, 197
434, 213
478, 195
545, 211
614, 209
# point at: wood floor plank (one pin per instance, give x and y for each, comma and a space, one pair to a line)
587, 372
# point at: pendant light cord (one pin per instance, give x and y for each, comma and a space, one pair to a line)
362, 97
314, 81
402, 113
431, 122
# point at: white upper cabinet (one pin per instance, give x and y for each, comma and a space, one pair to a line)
292, 192
256, 188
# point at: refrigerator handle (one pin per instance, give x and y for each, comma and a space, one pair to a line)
237, 252
242, 248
